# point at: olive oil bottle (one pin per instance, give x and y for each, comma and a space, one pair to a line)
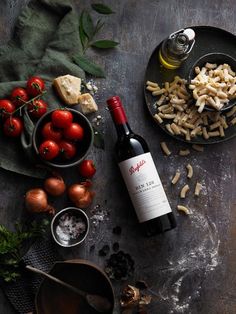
176, 48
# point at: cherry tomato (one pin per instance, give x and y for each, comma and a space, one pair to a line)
67, 149
19, 96
13, 127
6, 106
35, 86
62, 118
49, 132
37, 108
87, 168
74, 132
49, 150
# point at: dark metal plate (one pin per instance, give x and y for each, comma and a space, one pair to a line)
208, 39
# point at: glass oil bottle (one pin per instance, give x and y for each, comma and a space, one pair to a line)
176, 48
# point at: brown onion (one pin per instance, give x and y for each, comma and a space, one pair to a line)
36, 201
55, 186
80, 195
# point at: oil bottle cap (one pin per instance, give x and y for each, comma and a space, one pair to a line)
190, 33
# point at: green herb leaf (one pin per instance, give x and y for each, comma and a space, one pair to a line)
88, 66
101, 8
82, 35
104, 44
11, 244
98, 139
98, 26
87, 24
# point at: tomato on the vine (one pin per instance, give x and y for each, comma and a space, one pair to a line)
6, 107
49, 132
19, 96
62, 118
67, 149
87, 168
37, 108
35, 86
74, 132
49, 150
13, 127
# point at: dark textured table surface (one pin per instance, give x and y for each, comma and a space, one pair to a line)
192, 268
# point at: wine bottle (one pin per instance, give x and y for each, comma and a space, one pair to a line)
140, 175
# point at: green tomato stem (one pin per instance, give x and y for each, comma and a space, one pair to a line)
26, 103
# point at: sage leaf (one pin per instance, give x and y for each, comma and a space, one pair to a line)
99, 25
82, 35
88, 66
87, 24
98, 139
101, 8
104, 44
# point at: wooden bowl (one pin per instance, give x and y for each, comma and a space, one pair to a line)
52, 298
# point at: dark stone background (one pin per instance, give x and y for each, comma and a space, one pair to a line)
192, 268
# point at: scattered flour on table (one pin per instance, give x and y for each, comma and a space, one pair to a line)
186, 271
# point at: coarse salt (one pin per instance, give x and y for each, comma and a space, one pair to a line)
70, 227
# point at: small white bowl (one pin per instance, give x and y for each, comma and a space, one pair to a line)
67, 223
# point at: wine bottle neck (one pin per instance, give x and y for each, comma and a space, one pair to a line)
123, 129
119, 117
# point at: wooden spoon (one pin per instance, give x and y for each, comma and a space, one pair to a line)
97, 302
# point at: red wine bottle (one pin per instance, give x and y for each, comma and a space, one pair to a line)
140, 175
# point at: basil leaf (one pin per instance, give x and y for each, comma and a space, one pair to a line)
101, 8
88, 66
98, 139
104, 44
87, 24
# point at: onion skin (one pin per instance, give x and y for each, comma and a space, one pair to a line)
36, 201
80, 195
54, 186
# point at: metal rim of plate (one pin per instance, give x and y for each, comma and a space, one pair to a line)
218, 40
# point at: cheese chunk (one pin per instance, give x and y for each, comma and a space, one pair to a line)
87, 103
68, 88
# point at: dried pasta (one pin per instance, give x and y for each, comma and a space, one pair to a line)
150, 83
184, 190
213, 86
198, 148
183, 209
231, 112
184, 152
198, 188
158, 118
180, 118
176, 177
190, 171
233, 121
165, 148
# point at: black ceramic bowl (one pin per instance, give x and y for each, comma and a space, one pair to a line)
218, 58
63, 227
52, 298
83, 147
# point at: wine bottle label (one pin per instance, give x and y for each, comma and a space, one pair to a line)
144, 187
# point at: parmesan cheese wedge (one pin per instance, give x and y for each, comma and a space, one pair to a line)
68, 88
87, 103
